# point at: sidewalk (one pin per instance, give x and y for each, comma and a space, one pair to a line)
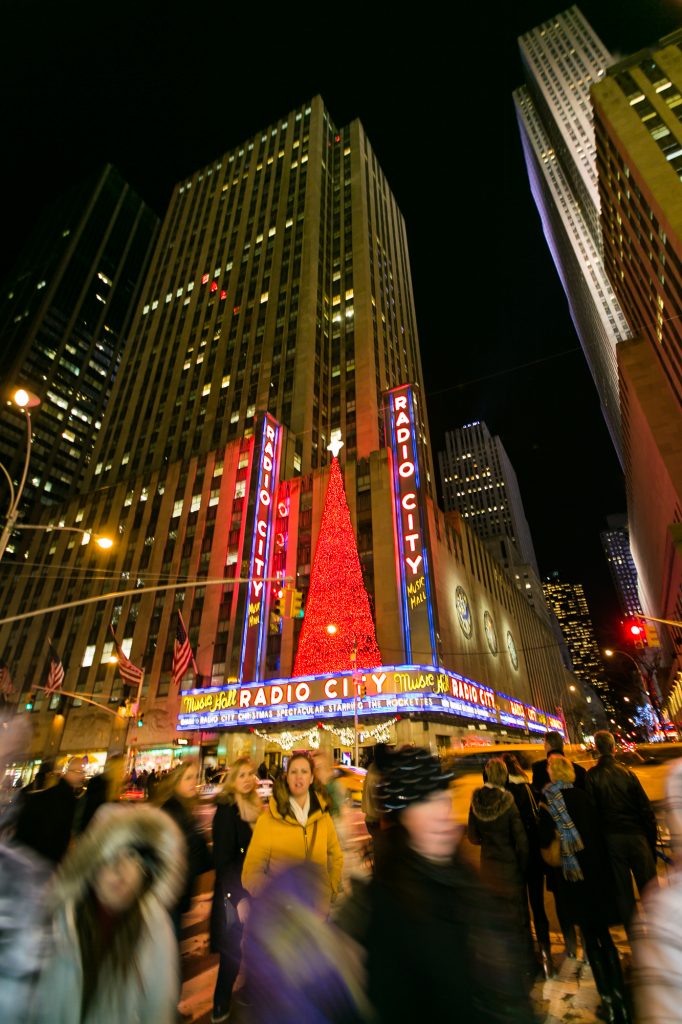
571, 997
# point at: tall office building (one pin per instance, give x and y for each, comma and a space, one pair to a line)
478, 481
569, 604
616, 543
277, 309
561, 58
64, 316
638, 112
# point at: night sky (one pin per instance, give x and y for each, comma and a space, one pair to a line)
161, 89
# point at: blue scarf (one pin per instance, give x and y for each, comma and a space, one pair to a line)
569, 837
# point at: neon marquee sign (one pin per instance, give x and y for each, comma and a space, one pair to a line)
390, 689
254, 632
412, 556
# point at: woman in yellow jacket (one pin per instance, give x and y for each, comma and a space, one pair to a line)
297, 827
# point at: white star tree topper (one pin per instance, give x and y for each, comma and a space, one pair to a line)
336, 444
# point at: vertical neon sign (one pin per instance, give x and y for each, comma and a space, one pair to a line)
412, 555
254, 632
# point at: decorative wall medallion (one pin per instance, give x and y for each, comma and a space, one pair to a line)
490, 632
513, 654
464, 612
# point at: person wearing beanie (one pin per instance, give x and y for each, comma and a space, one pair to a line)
426, 909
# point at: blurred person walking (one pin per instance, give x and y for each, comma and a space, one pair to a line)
239, 808
103, 788
628, 821
657, 932
296, 826
46, 816
569, 826
23, 879
114, 955
526, 804
299, 968
496, 826
177, 795
426, 906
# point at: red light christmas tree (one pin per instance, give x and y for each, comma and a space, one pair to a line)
337, 596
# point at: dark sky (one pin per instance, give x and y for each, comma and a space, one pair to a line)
161, 89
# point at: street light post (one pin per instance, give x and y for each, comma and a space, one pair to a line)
23, 400
609, 652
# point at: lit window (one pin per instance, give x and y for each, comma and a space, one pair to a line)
196, 503
226, 381
240, 489
177, 509
206, 391
89, 656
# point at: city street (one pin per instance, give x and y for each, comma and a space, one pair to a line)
569, 998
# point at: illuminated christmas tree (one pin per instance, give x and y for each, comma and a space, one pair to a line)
338, 621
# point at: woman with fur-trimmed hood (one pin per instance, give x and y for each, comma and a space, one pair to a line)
496, 826
114, 955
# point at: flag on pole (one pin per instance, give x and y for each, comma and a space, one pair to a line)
6, 685
55, 674
128, 672
182, 653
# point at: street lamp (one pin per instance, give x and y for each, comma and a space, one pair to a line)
24, 400
610, 652
102, 541
332, 629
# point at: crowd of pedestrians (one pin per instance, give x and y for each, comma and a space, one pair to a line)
93, 892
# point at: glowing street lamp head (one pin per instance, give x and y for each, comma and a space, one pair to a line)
104, 542
332, 629
25, 399
608, 652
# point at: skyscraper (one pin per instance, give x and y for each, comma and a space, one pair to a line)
616, 543
64, 315
562, 57
478, 481
638, 107
569, 604
277, 309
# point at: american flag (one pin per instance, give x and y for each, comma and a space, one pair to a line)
55, 675
182, 653
6, 686
128, 672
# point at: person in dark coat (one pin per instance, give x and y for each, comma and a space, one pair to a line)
496, 826
426, 908
554, 745
46, 816
177, 797
628, 821
524, 798
103, 788
583, 884
239, 807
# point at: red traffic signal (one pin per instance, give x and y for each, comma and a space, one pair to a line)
635, 632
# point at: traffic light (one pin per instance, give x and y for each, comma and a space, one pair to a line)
651, 634
363, 690
296, 599
277, 603
60, 705
140, 720
29, 702
635, 633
